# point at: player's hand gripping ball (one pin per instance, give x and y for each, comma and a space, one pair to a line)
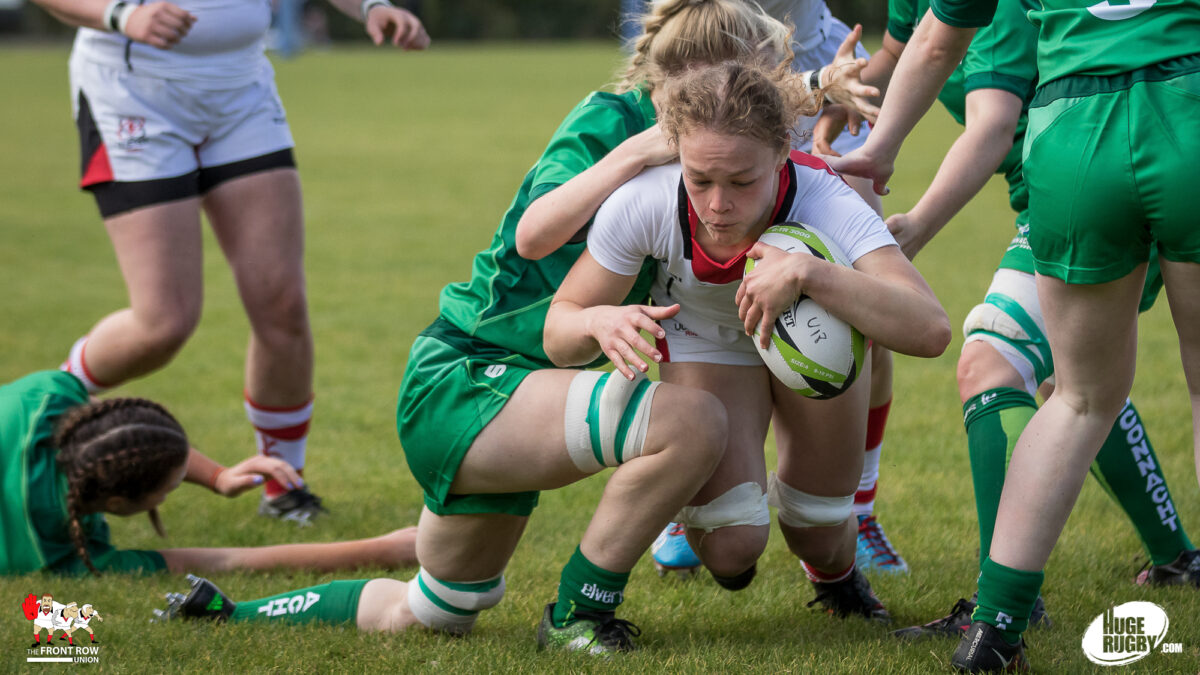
811, 351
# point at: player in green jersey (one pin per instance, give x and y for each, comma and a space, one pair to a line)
64, 462
1003, 362
1110, 141
484, 417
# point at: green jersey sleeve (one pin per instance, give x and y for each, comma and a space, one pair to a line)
1003, 54
598, 124
964, 13
902, 19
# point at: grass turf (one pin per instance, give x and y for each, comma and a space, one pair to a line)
408, 162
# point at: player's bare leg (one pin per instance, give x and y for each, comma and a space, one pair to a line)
259, 223
730, 552
159, 251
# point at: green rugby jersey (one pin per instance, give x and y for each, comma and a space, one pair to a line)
33, 492
506, 299
1003, 55
1084, 37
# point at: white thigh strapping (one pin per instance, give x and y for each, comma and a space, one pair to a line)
606, 418
743, 504
800, 509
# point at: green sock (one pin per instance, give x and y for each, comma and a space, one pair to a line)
1128, 470
994, 420
1006, 598
586, 587
334, 602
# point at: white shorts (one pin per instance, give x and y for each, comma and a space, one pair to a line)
834, 31
138, 128
684, 345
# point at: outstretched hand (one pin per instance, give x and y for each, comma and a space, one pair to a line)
158, 24
859, 162
249, 473
396, 25
618, 331
844, 86
30, 607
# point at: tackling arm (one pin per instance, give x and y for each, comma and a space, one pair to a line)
992, 116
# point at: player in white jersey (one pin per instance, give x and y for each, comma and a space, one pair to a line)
701, 219
178, 114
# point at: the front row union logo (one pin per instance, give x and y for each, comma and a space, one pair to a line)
71, 621
1128, 633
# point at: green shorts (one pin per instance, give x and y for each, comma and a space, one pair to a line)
1109, 164
453, 386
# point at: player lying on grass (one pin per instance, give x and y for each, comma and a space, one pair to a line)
65, 462
1006, 355
695, 222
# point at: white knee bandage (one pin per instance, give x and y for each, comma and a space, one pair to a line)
1010, 320
451, 606
743, 504
606, 418
800, 509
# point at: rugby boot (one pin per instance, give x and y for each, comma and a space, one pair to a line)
875, 551
982, 650
593, 632
203, 601
851, 596
672, 553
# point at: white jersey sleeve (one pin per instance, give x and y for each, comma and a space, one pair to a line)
636, 221
824, 201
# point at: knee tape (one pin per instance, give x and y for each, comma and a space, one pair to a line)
800, 509
606, 419
743, 504
451, 606
1010, 320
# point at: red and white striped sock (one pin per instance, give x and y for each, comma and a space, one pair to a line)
817, 576
864, 498
76, 366
282, 433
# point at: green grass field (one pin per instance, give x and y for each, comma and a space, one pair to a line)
408, 161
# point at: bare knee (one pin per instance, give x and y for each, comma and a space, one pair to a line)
163, 333
278, 310
730, 552
694, 422
980, 367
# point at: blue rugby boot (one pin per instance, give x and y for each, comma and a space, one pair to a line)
672, 553
875, 551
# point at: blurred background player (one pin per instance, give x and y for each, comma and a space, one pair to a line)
65, 462
178, 114
731, 124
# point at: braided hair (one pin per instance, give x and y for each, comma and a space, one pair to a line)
118, 447
677, 34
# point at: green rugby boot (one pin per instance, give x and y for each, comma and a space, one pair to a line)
594, 633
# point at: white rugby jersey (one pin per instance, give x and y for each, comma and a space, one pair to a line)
807, 17
651, 216
224, 47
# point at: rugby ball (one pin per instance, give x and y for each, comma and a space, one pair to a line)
812, 351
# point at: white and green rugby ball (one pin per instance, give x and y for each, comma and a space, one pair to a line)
812, 351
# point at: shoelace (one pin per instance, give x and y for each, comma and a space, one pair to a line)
677, 530
618, 633
963, 606
877, 542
